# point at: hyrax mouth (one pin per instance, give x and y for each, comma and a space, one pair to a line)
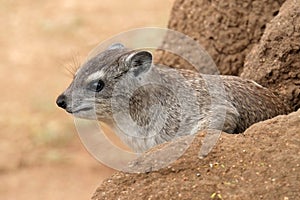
78, 110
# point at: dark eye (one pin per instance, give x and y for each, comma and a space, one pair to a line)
96, 86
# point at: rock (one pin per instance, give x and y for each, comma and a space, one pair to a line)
227, 30
263, 163
275, 61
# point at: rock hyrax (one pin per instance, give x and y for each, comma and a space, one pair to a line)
147, 105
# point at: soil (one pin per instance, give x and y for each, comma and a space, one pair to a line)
276, 58
227, 30
41, 156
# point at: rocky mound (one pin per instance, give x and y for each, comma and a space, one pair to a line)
263, 163
275, 61
227, 30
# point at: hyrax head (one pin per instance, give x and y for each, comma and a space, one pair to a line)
89, 95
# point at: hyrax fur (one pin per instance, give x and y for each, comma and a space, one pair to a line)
147, 105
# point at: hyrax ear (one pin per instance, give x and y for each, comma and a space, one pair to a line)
139, 62
116, 46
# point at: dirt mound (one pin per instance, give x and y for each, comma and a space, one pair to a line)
264, 163
276, 59
226, 29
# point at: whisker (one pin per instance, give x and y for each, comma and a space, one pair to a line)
62, 65
69, 72
73, 65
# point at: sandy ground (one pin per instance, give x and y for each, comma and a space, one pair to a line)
41, 156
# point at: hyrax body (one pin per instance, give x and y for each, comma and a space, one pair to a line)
147, 105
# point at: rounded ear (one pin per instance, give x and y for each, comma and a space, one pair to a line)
116, 46
139, 62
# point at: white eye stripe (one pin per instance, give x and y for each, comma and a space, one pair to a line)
95, 76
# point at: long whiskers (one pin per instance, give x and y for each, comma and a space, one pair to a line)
73, 65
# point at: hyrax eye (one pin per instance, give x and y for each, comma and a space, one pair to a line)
96, 86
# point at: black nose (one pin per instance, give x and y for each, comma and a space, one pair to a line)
61, 101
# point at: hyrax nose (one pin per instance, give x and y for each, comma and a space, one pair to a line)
61, 101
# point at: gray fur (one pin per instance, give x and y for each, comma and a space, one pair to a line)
147, 105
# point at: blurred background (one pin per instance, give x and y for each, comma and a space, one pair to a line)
41, 156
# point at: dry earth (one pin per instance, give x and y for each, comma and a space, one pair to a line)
276, 58
227, 30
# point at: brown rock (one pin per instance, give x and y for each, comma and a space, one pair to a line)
275, 61
227, 30
264, 163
